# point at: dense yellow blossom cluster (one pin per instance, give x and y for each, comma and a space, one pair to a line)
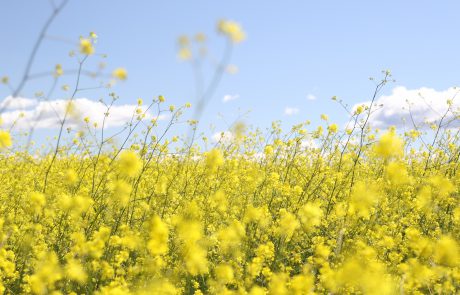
251, 216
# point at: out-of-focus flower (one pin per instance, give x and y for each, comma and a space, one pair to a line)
232, 30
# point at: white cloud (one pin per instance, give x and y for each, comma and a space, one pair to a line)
230, 97
289, 111
309, 144
311, 97
26, 112
425, 105
10, 103
224, 137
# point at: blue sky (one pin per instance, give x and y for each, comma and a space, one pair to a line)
293, 49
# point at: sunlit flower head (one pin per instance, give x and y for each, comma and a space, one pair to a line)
232, 30
86, 46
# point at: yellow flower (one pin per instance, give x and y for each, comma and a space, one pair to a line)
397, 173
185, 53
239, 129
302, 284
194, 254
232, 30
332, 128
159, 234
37, 201
5, 139
200, 37
121, 193
58, 70
47, 272
183, 41
70, 176
71, 108
230, 237
442, 185
129, 163
288, 224
268, 150
362, 199
310, 216
224, 273
214, 159
278, 284
447, 252
86, 46
390, 145
120, 74
75, 271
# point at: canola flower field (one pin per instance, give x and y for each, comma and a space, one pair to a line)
264, 214
361, 211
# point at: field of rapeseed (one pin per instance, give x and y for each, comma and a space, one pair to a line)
363, 212
356, 211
